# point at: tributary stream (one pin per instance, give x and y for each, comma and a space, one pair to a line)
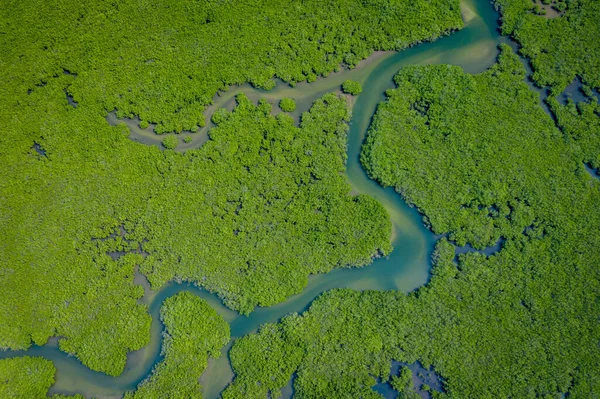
473, 48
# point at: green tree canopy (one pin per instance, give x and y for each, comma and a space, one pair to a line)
351, 87
287, 105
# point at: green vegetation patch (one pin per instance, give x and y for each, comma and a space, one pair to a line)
581, 125
193, 332
478, 155
28, 377
559, 48
287, 105
351, 87
260, 206
165, 61
250, 215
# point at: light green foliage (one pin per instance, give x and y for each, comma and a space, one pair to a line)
55, 273
144, 125
287, 105
187, 139
559, 48
587, 90
219, 116
170, 142
249, 215
404, 385
56, 280
193, 332
435, 118
28, 378
522, 323
336, 348
270, 206
276, 358
164, 61
25, 377
351, 87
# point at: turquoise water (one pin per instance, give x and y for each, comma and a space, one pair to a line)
474, 48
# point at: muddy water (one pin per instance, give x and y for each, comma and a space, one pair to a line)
474, 48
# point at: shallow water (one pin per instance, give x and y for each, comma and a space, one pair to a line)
474, 48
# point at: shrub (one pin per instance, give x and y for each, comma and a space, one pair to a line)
170, 142
351, 87
287, 105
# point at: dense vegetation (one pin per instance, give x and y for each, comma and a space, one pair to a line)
27, 377
559, 48
351, 87
170, 142
249, 215
251, 230
478, 155
287, 105
164, 61
581, 125
193, 332
270, 201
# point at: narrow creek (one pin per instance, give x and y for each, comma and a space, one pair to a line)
474, 48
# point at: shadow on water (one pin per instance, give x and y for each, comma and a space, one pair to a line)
576, 92
39, 150
420, 376
486, 251
473, 48
593, 172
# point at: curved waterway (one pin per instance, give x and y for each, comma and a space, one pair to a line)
474, 48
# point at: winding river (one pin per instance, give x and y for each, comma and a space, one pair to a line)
474, 48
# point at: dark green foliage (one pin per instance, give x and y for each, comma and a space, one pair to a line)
27, 378
581, 125
522, 323
193, 332
56, 279
560, 6
275, 357
164, 61
351, 87
587, 90
559, 48
287, 105
170, 142
334, 351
